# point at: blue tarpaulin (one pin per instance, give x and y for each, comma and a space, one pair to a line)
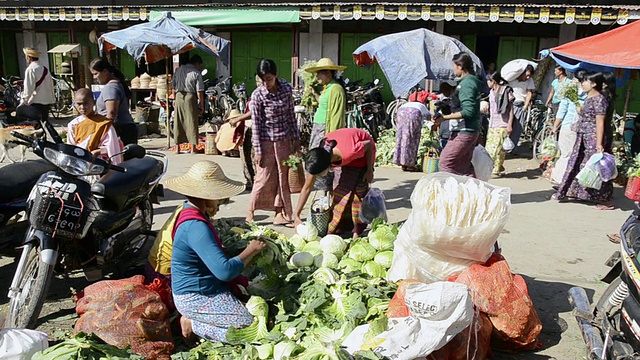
408, 57
163, 38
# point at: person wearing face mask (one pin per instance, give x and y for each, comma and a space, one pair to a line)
204, 280
591, 138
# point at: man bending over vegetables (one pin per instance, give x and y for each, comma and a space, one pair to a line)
204, 279
351, 152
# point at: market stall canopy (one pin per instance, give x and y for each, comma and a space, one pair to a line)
65, 49
163, 38
227, 16
611, 49
408, 57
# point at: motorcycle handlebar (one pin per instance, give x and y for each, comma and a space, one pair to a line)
118, 168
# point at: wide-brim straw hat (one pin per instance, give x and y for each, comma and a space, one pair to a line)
205, 180
31, 52
325, 64
234, 113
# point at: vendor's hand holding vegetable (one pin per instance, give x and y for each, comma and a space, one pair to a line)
253, 249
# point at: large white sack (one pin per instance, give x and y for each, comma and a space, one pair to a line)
463, 219
438, 311
514, 68
410, 262
21, 344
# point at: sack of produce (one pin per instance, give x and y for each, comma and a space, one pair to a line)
126, 313
514, 68
504, 297
373, 206
454, 223
482, 163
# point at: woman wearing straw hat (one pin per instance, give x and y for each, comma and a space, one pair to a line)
330, 114
204, 279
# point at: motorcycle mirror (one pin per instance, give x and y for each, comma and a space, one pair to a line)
133, 151
346, 81
376, 82
204, 72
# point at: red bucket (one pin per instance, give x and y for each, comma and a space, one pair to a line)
633, 189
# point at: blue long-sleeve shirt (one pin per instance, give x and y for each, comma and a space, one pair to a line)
567, 111
198, 264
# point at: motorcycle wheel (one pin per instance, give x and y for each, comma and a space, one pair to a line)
33, 283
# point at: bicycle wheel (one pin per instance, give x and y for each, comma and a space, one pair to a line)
538, 140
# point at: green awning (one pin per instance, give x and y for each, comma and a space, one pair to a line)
235, 16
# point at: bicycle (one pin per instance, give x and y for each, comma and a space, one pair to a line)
63, 95
542, 133
392, 108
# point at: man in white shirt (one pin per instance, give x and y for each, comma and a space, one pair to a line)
523, 90
38, 85
189, 104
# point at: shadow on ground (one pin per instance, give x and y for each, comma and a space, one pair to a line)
399, 196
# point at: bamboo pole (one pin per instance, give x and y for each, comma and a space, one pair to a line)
627, 100
168, 121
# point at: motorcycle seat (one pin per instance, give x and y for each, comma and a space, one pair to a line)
17, 180
116, 186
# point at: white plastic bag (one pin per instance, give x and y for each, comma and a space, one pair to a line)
373, 206
514, 68
21, 344
482, 163
589, 176
438, 311
508, 144
454, 223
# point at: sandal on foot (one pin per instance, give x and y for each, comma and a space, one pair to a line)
604, 207
614, 238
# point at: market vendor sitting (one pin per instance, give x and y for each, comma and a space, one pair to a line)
204, 279
93, 131
352, 153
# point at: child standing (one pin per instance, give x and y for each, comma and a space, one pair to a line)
501, 120
92, 131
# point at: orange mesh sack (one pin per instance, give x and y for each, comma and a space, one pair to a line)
397, 307
505, 299
125, 313
473, 343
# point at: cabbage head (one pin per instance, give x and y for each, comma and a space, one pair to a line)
297, 241
333, 244
307, 231
302, 259
382, 238
313, 248
348, 265
361, 251
326, 260
374, 269
326, 276
384, 258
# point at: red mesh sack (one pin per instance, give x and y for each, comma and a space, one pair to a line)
125, 313
397, 307
473, 343
505, 299
163, 288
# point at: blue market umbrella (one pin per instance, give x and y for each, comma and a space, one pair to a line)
162, 38
408, 57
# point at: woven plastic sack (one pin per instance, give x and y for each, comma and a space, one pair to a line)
505, 299
482, 163
373, 206
21, 344
125, 313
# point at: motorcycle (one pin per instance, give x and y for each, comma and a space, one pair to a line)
98, 228
240, 91
220, 101
611, 329
10, 98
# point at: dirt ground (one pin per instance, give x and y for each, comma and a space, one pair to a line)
553, 246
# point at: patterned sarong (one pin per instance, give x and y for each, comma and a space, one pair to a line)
349, 189
271, 187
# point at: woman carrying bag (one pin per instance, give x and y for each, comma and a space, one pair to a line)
352, 153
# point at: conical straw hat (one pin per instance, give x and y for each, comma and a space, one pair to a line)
325, 64
205, 180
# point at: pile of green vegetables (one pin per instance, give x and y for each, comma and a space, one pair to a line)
307, 294
386, 145
310, 81
82, 347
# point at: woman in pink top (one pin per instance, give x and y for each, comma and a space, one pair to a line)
352, 153
501, 122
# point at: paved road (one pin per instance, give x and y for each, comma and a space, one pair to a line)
554, 246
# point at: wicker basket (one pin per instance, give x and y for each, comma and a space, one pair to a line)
296, 179
431, 161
